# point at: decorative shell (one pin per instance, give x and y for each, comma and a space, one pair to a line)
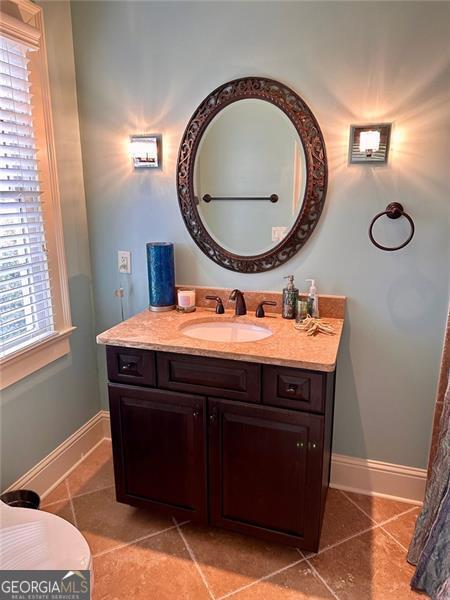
313, 326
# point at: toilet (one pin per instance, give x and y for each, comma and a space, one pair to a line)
34, 540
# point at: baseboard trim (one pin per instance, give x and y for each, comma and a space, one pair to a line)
106, 423
55, 467
364, 476
376, 478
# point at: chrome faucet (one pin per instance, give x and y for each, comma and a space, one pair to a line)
238, 297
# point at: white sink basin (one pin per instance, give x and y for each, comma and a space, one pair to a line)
226, 331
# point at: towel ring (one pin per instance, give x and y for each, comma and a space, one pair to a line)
394, 210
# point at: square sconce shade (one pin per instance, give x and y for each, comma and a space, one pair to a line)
145, 151
369, 143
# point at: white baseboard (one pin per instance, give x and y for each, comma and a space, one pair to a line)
52, 469
376, 478
106, 423
359, 475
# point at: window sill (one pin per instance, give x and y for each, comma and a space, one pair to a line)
20, 364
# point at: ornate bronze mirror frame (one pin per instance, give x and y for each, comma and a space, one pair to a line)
316, 171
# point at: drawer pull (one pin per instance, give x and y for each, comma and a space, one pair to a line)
291, 388
127, 367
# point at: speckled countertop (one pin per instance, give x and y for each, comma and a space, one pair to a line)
287, 346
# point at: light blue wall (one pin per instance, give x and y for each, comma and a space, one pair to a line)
42, 410
145, 66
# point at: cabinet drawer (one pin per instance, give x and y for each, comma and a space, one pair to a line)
293, 388
211, 376
131, 365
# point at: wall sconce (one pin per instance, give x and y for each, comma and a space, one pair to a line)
369, 143
146, 151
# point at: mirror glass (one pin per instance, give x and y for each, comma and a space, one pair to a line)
249, 177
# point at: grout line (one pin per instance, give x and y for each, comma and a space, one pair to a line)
251, 584
319, 576
358, 507
394, 538
135, 541
105, 487
371, 528
308, 561
192, 555
71, 504
71, 470
375, 526
100, 489
350, 537
44, 506
405, 512
379, 524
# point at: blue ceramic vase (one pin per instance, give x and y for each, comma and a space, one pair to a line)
161, 276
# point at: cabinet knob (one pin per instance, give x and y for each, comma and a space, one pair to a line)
291, 388
212, 418
195, 413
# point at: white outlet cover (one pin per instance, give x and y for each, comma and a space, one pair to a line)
278, 233
124, 261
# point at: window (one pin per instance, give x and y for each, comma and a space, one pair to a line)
34, 309
25, 289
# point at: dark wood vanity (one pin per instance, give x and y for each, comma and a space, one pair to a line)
214, 431
238, 445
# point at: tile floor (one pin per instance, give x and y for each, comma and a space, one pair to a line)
141, 556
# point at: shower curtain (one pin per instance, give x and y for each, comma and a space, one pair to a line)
430, 546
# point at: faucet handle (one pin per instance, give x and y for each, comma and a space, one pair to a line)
219, 306
260, 310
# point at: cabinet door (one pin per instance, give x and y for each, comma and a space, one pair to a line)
265, 471
159, 450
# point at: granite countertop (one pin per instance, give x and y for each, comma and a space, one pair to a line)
287, 346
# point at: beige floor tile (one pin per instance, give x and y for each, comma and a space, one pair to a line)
341, 520
296, 583
62, 509
158, 568
59, 493
379, 509
94, 473
106, 523
402, 528
370, 566
229, 560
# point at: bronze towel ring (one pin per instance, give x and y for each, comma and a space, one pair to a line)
394, 210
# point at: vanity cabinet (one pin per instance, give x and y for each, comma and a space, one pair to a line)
159, 449
238, 445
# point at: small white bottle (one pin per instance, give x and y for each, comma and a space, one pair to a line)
313, 299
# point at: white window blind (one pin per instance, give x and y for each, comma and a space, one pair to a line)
26, 314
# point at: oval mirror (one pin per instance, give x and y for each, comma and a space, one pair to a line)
251, 174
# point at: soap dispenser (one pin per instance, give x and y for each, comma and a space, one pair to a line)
313, 300
290, 297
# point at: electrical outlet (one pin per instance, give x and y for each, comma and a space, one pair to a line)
124, 261
278, 233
